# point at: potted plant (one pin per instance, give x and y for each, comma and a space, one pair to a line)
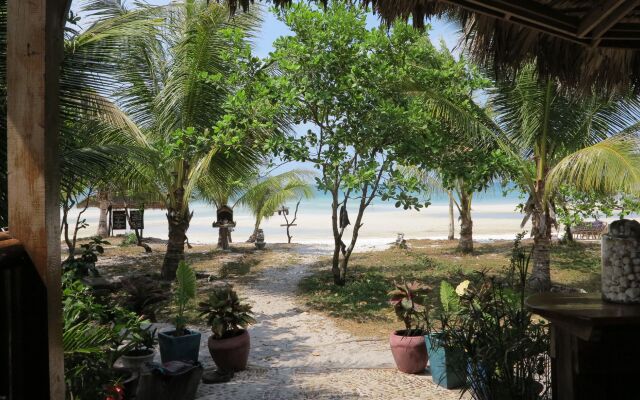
447, 364
229, 318
181, 344
141, 351
408, 345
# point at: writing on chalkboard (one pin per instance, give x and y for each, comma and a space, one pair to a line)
118, 219
136, 219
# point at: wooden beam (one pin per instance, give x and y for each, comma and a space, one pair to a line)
613, 18
34, 54
596, 15
533, 13
528, 22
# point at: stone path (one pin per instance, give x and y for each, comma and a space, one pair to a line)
300, 355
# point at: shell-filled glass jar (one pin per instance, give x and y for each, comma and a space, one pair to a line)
621, 262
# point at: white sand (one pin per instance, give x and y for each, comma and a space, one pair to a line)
382, 222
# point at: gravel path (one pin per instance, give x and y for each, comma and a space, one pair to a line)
301, 355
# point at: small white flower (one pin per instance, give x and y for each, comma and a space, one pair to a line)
462, 288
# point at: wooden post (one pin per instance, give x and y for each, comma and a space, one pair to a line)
34, 55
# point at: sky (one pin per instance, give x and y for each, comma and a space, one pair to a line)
272, 29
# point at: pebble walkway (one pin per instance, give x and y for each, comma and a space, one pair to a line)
301, 355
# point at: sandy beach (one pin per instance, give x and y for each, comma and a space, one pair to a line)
382, 222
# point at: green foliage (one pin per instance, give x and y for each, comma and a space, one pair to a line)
130, 239
225, 313
506, 349
449, 298
85, 265
94, 336
409, 301
184, 294
573, 206
343, 81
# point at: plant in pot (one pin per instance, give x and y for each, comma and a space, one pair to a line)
447, 364
181, 344
506, 349
228, 318
408, 345
141, 348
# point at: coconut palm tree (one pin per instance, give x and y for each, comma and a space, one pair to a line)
557, 138
268, 194
192, 89
554, 138
261, 195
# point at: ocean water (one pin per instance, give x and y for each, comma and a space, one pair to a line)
494, 216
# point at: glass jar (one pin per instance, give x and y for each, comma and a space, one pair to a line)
620, 268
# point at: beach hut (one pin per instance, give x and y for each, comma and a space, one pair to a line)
582, 43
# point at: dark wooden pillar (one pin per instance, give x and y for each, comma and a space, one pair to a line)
34, 54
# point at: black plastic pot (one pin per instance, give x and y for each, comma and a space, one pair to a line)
179, 348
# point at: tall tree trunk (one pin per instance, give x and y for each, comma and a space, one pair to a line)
178, 225
338, 279
465, 244
540, 278
568, 234
103, 227
452, 222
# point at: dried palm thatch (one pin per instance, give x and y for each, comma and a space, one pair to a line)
586, 44
593, 44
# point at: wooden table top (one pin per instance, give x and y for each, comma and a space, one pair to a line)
585, 310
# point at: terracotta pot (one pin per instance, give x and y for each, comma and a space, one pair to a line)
230, 354
409, 352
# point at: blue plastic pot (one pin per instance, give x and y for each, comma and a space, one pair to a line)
179, 348
447, 365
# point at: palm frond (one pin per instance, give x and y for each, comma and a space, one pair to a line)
610, 166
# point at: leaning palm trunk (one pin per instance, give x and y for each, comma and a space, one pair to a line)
254, 235
465, 244
103, 228
178, 225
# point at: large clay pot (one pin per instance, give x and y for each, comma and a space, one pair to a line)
409, 352
230, 354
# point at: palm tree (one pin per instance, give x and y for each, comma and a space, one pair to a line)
261, 195
591, 143
268, 194
192, 102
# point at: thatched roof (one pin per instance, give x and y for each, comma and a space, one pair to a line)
588, 43
119, 202
594, 43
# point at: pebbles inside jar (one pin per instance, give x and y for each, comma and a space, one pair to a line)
621, 262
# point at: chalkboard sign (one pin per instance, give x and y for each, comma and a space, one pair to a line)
118, 219
136, 219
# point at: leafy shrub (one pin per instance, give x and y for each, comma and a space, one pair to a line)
129, 239
506, 350
226, 315
94, 337
85, 265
